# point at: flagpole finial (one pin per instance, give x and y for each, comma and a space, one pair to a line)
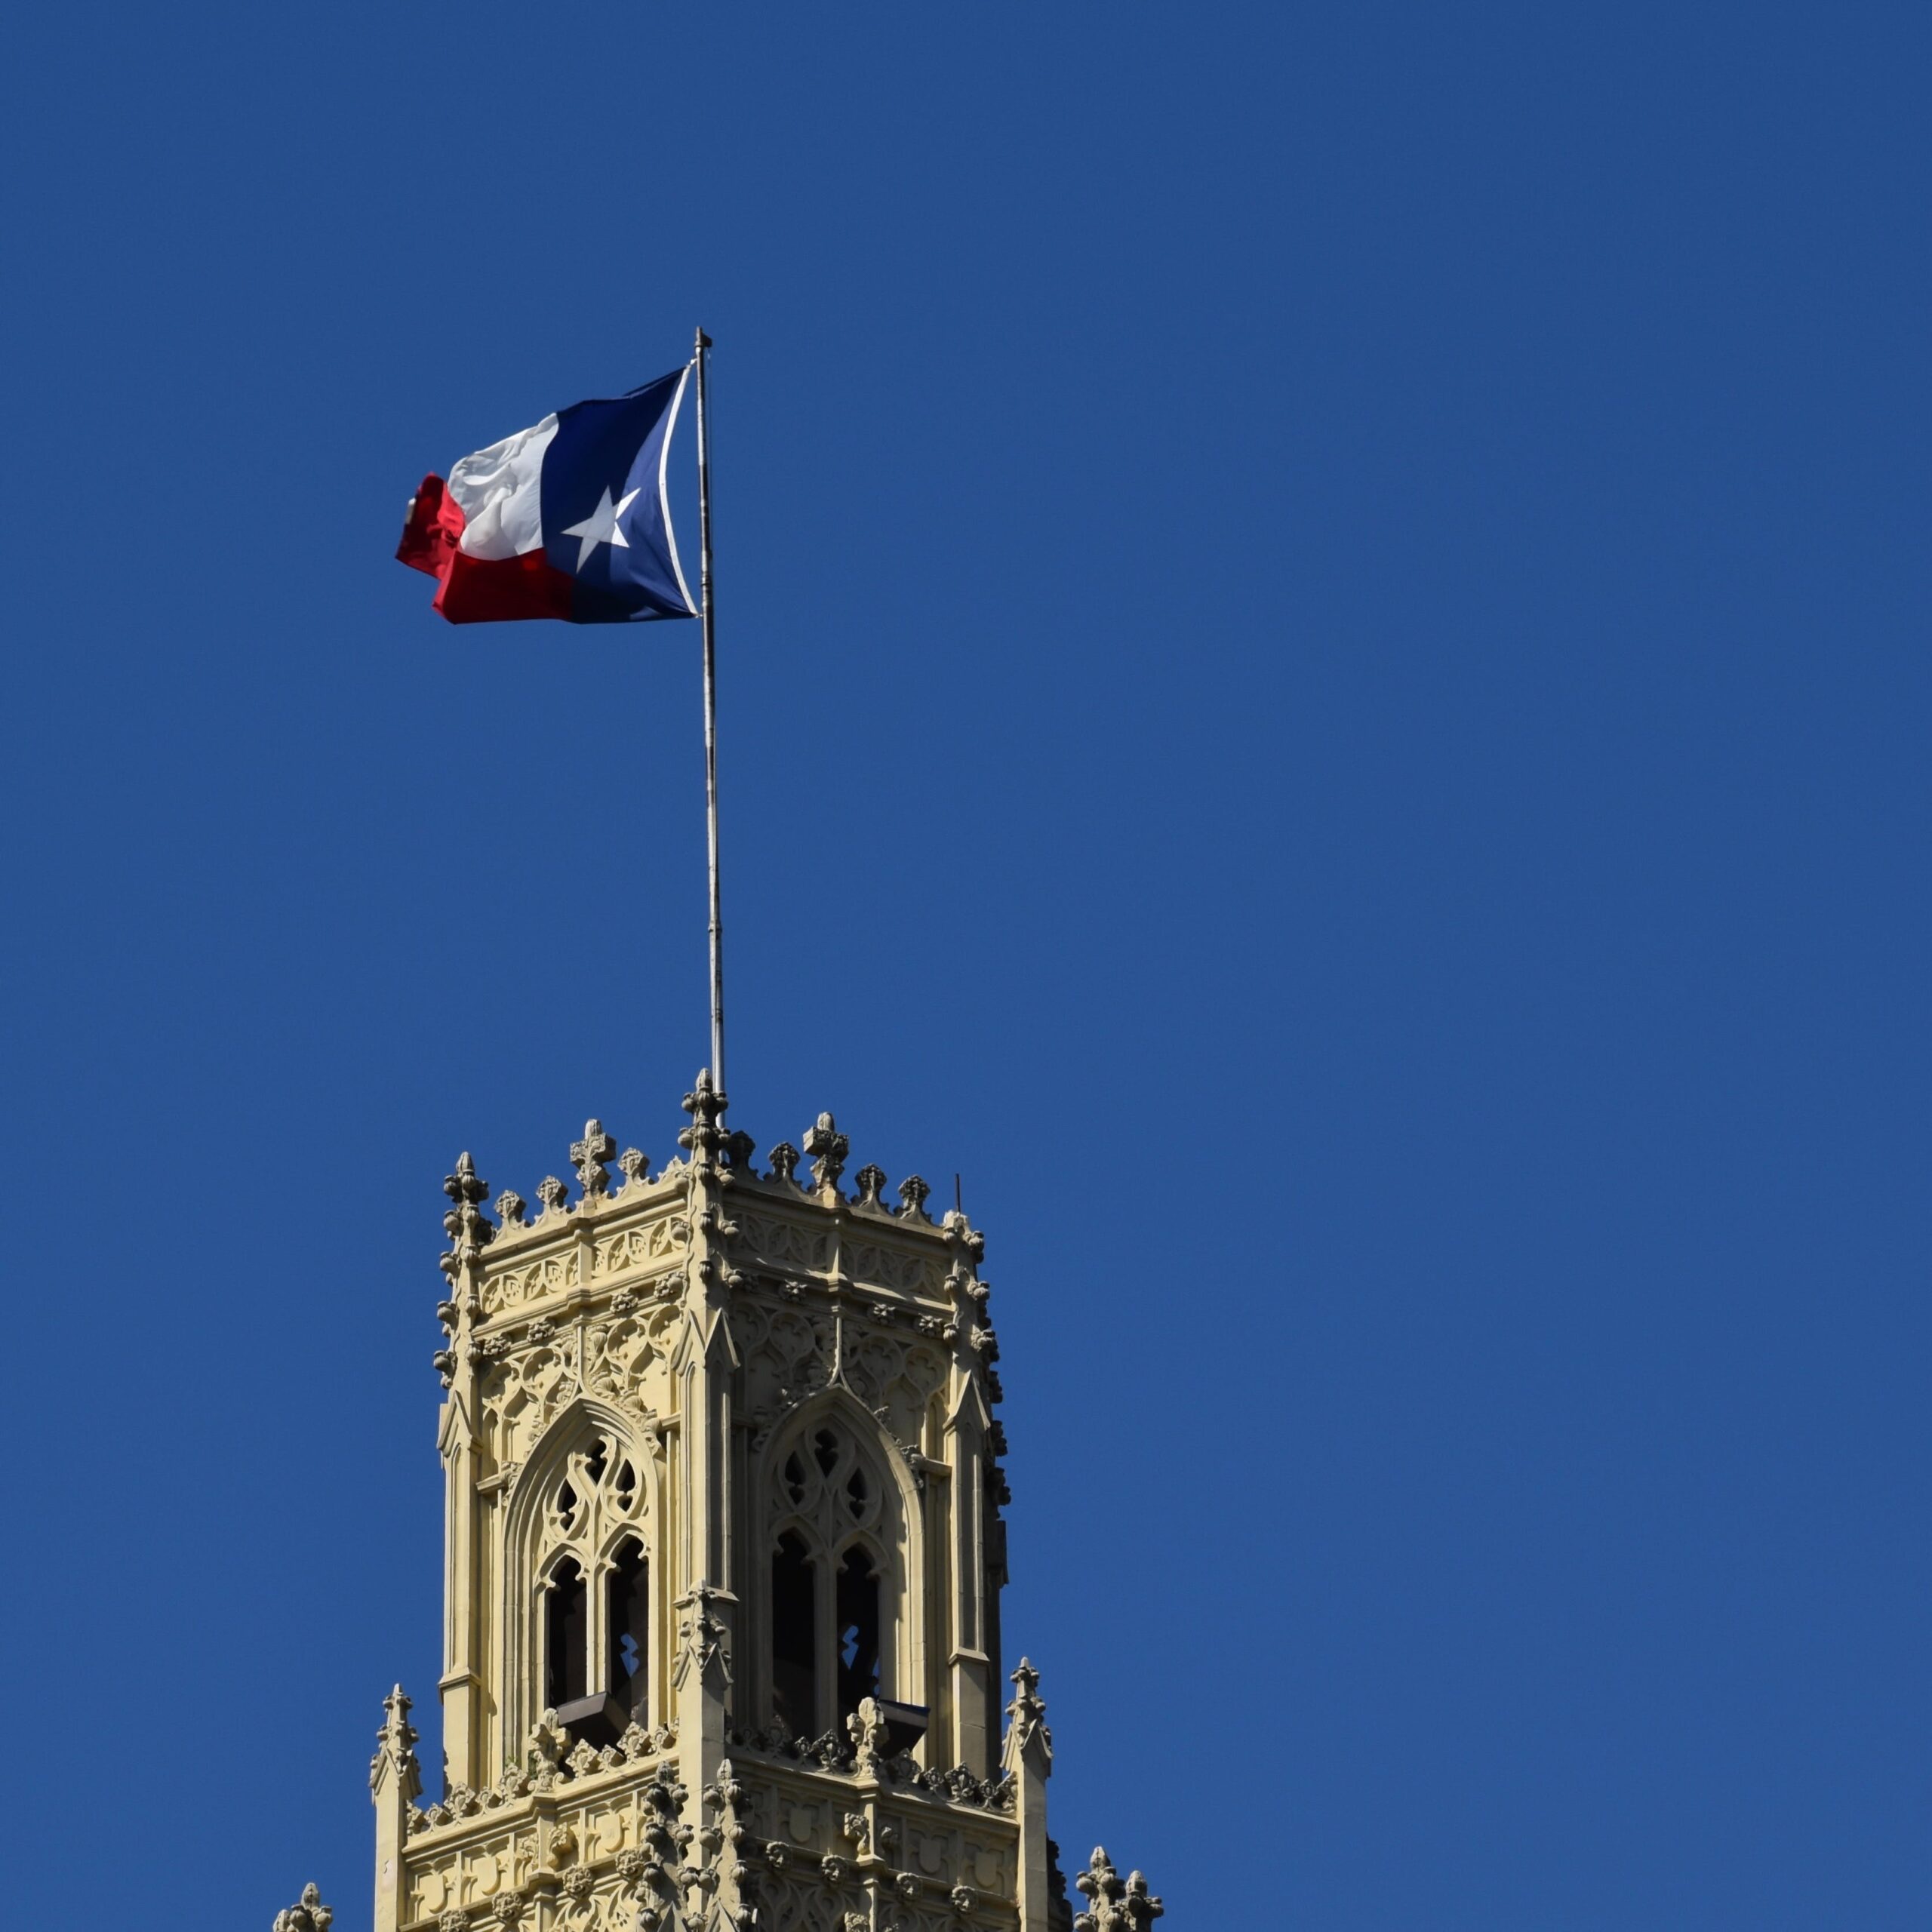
704, 341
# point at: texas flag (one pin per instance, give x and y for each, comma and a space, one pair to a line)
569, 518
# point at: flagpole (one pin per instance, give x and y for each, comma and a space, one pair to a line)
710, 709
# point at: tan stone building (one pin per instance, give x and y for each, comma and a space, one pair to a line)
723, 1561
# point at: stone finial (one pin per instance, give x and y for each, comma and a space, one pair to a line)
871, 1183
395, 1745
1028, 1709
635, 1166
1114, 1904
738, 1149
309, 1915
465, 1223
1029, 1744
828, 1148
784, 1158
552, 1193
587, 1156
465, 1184
969, 1237
706, 1135
872, 1741
912, 1193
512, 1208
549, 1741
398, 1735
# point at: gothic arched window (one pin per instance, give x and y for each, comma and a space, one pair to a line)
840, 1557
589, 1552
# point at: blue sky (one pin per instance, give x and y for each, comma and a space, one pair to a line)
1322, 624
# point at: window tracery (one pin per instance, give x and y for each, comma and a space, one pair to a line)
840, 1557
591, 1567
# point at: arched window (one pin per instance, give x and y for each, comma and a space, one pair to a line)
566, 1627
858, 1631
582, 1527
627, 1630
843, 1617
794, 1637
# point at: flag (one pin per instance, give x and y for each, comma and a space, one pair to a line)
569, 518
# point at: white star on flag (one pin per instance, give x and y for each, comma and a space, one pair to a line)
601, 527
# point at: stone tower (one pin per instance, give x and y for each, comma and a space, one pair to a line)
723, 1561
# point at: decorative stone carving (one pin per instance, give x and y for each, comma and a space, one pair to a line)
787, 1355
784, 1158
739, 1150
1114, 1904
308, 1915
1026, 1714
638, 1247
548, 1742
871, 1182
896, 1376
872, 1741
702, 1638
828, 1148
465, 1224
587, 1156
552, 1193
511, 1208
624, 1360
635, 1165
396, 1743
706, 1135
664, 1840
913, 1193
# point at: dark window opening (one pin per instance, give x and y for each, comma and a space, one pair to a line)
825, 1446
565, 1622
794, 1638
858, 1631
855, 1494
567, 1506
593, 1463
625, 1484
795, 1479
627, 1604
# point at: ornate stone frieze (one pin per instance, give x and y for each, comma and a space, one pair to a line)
642, 1244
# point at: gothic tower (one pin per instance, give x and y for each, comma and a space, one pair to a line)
723, 1561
